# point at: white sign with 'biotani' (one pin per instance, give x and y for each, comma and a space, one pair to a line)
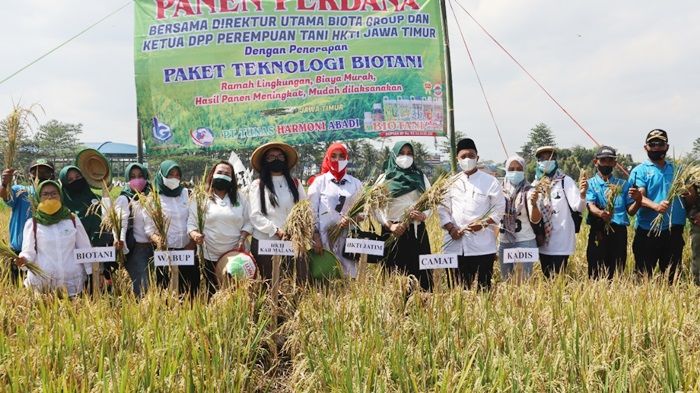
437, 261
96, 254
174, 258
364, 246
521, 255
275, 247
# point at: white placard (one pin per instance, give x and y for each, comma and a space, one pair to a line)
437, 261
521, 255
96, 254
174, 258
275, 247
364, 246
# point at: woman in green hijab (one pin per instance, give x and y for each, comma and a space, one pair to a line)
406, 183
51, 237
78, 198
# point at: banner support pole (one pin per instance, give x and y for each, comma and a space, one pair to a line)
450, 98
139, 143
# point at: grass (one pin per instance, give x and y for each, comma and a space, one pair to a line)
569, 334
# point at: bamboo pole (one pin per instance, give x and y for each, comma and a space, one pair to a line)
449, 95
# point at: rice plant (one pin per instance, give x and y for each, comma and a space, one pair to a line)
15, 128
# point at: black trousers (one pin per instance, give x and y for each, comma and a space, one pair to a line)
479, 267
188, 280
664, 250
607, 251
264, 263
403, 257
16, 273
553, 264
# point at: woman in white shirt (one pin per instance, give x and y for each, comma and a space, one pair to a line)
521, 213
271, 198
175, 202
406, 183
474, 203
227, 224
50, 238
331, 194
133, 239
564, 197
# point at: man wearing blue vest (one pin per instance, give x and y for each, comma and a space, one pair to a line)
17, 198
654, 177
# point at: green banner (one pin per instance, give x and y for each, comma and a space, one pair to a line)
232, 74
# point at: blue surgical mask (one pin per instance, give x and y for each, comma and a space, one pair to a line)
515, 177
547, 166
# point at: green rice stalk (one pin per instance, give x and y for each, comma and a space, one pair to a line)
153, 208
614, 190
111, 219
7, 254
373, 197
683, 179
200, 197
14, 129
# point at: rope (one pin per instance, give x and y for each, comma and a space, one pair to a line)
478, 78
64, 43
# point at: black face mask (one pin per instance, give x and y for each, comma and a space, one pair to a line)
605, 170
77, 185
656, 155
221, 184
277, 166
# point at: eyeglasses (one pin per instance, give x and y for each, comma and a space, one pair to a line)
273, 157
656, 144
49, 194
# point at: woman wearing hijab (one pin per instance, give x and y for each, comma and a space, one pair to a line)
78, 198
331, 195
227, 225
521, 215
50, 238
175, 202
133, 240
406, 183
271, 198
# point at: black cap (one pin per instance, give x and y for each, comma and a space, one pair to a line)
466, 143
657, 134
606, 152
41, 162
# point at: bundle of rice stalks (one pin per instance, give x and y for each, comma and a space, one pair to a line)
683, 174
299, 228
153, 208
14, 128
614, 190
482, 219
544, 187
200, 197
7, 254
111, 219
373, 197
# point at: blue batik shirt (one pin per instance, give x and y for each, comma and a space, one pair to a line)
657, 182
596, 194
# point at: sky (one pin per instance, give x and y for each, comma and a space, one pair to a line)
621, 68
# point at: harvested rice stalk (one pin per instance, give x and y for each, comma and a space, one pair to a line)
372, 197
111, 218
200, 197
614, 190
683, 173
14, 128
299, 228
544, 187
7, 254
153, 208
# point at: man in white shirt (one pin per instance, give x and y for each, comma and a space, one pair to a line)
473, 207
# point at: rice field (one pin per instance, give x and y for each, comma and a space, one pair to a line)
569, 334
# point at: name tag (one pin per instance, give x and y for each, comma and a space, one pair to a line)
437, 261
364, 246
96, 254
275, 247
173, 258
520, 255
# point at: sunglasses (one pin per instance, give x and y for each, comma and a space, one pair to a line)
656, 144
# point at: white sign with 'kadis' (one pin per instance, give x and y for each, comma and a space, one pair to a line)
174, 258
437, 261
364, 246
96, 254
275, 247
521, 255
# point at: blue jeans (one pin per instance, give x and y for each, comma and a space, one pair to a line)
137, 266
507, 268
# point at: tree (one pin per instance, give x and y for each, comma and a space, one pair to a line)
540, 135
57, 140
696, 148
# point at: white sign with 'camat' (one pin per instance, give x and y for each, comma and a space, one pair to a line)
437, 261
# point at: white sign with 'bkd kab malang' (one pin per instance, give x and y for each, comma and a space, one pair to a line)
95, 254
174, 258
364, 246
520, 255
437, 261
275, 247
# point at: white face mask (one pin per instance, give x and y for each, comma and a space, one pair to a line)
171, 182
467, 164
342, 164
404, 162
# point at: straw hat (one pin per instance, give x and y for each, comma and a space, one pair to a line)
235, 264
545, 149
259, 154
95, 167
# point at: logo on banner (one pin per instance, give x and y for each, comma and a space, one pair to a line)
202, 137
161, 131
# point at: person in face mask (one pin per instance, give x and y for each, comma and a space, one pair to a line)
406, 183
133, 239
51, 237
175, 203
79, 198
566, 198
227, 225
271, 199
16, 197
607, 239
654, 178
331, 194
522, 217
473, 206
